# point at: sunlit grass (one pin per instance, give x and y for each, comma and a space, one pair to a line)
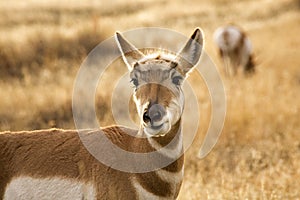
258, 154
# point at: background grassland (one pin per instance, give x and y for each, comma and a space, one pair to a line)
42, 45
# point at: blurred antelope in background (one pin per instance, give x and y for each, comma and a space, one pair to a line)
235, 49
54, 164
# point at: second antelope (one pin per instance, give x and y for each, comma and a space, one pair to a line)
235, 49
54, 164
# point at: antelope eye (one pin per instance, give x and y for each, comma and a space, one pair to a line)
176, 80
135, 82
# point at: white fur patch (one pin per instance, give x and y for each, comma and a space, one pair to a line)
161, 55
175, 109
144, 194
229, 43
171, 153
171, 177
25, 188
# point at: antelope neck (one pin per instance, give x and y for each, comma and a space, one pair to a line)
174, 133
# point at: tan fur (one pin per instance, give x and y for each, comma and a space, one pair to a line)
60, 153
58, 157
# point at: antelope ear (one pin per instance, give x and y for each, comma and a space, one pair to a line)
130, 53
189, 55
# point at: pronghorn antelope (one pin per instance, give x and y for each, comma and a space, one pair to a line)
54, 164
235, 49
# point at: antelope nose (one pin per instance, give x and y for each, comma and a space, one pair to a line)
146, 117
155, 114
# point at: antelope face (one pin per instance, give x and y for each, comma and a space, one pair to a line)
158, 95
157, 79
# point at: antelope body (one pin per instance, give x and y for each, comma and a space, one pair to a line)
235, 49
54, 164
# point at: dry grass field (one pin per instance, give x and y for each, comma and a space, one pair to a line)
42, 45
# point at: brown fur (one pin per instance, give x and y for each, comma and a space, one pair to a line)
250, 67
60, 153
155, 94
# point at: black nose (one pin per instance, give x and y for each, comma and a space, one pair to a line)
154, 114
146, 117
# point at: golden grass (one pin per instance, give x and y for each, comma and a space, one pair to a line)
258, 155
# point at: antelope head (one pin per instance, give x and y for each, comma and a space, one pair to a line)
157, 80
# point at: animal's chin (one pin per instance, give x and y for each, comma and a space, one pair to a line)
157, 131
